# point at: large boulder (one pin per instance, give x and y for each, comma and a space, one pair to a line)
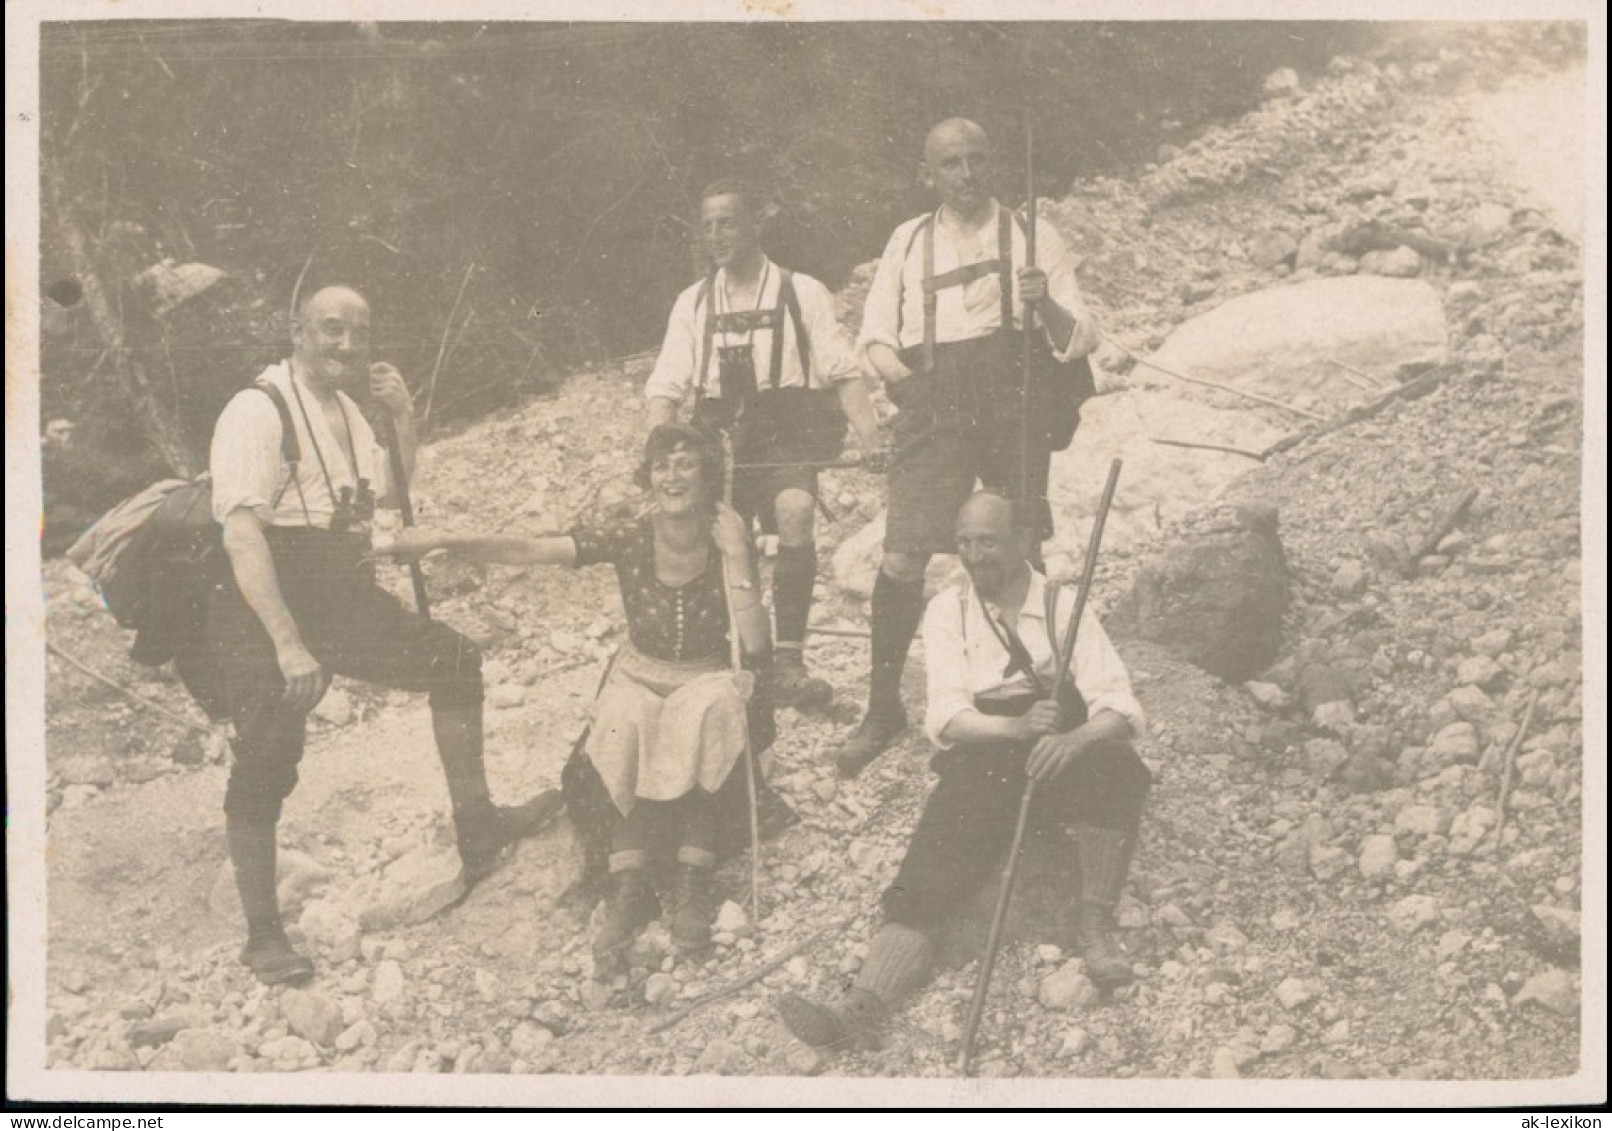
1271, 341
1216, 599
1160, 482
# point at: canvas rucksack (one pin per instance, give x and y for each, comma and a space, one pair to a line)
155, 556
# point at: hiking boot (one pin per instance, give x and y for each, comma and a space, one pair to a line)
855, 1021
1094, 935
631, 908
794, 686
878, 730
487, 830
275, 962
694, 909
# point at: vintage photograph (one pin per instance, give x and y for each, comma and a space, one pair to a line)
901, 550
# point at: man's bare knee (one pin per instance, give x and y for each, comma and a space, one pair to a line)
793, 510
904, 567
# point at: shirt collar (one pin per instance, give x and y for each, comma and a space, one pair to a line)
1035, 596
766, 275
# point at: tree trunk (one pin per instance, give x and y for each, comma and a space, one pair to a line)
157, 421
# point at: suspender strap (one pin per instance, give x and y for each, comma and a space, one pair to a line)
707, 295
745, 320
1004, 254
962, 276
931, 299
788, 300
933, 284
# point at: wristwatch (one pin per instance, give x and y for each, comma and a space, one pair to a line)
742, 583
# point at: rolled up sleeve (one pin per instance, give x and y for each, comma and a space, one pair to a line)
1064, 289
244, 460
673, 374
1101, 678
945, 666
881, 316
833, 359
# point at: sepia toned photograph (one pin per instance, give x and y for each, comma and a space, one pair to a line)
806, 556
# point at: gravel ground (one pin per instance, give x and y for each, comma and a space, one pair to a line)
1320, 893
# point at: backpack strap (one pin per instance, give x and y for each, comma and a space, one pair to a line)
790, 301
290, 447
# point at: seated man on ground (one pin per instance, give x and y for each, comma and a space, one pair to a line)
990, 648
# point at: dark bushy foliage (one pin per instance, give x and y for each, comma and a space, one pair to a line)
547, 170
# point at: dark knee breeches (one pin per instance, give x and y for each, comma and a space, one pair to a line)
968, 821
353, 628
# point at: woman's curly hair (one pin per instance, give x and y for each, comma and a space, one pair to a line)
664, 439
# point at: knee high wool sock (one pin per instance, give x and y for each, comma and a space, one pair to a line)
898, 608
253, 855
1104, 857
898, 962
459, 747
793, 576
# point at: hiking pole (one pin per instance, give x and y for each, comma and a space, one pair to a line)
405, 505
976, 1008
735, 655
1066, 654
1028, 316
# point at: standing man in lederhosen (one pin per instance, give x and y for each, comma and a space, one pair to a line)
939, 327
759, 352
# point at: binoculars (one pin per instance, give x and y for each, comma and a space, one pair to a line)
736, 370
353, 508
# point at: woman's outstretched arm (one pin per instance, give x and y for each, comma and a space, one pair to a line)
485, 549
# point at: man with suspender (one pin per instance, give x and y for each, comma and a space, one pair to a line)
759, 352
990, 654
939, 328
300, 604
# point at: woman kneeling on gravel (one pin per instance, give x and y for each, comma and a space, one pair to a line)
670, 724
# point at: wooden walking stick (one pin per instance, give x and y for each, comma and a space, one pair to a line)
736, 657
976, 1007
400, 483
1028, 316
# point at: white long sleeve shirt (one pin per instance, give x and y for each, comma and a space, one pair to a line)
964, 657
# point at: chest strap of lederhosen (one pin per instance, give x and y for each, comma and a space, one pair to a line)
933, 284
739, 322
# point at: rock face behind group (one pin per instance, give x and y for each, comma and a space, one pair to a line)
1216, 598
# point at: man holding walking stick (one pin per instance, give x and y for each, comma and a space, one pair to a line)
300, 604
939, 328
991, 647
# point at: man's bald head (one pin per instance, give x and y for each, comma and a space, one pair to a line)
990, 542
990, 509
956, 166
337, 297
953, 130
